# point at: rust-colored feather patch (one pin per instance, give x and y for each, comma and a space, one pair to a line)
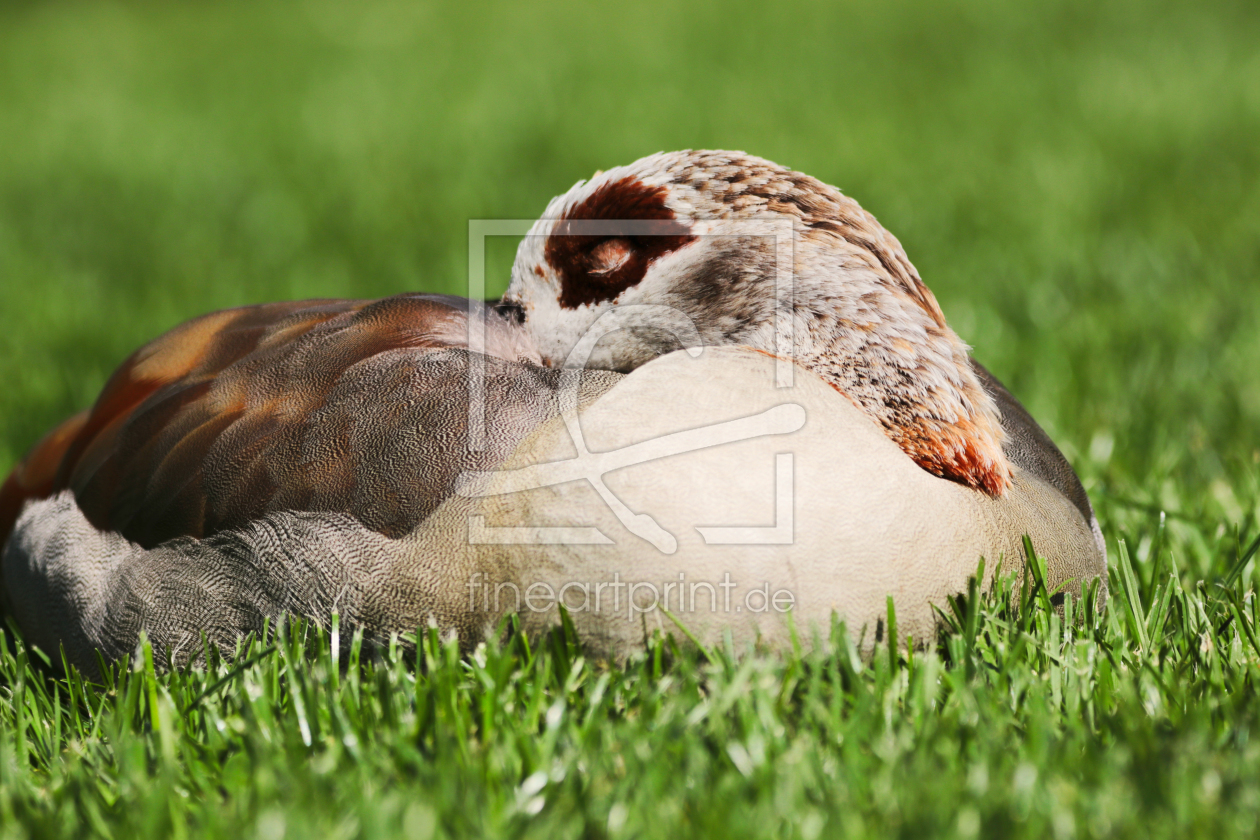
960, 451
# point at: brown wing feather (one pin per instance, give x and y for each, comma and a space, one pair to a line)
312, 405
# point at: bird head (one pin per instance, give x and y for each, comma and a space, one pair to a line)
697, 248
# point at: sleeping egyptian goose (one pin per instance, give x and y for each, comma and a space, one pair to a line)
716, 392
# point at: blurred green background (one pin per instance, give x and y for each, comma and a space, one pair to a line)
1078, 182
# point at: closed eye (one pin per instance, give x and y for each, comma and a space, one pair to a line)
609, 255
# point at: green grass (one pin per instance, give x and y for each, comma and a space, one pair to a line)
1021, 723
1078, 182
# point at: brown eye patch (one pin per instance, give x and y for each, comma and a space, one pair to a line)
593, 269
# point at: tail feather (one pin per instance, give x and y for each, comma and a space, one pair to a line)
35, 475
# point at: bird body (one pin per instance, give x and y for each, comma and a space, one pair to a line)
306, 405
397, 461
